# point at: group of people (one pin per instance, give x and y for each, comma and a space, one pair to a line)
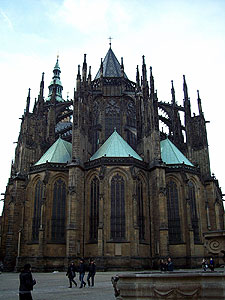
81, 269
206, 265
166, 265
27, 281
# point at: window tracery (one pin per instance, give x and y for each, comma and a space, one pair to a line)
140, 203
173, 213
37, 210
117, 208
58, 211
94, 209
194, 215
112, 118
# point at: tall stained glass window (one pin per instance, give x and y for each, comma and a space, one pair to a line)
140, 203
94, 209
117, 208
194, 215
37, 210
173, 213
58, 211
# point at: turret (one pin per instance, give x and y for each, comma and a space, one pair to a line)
57, 82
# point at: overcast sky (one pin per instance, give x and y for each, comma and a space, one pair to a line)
176, 37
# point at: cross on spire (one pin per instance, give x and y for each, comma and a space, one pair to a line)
110, 40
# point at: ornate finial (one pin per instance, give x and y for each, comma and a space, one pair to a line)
110, 41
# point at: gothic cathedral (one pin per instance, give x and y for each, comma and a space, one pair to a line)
113, 174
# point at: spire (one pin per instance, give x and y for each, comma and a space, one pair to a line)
185, 89
187, 104
144, 71
110, 66
152, 85
137, 77
78, 78
41, 94
89, 75
144, 79
101, 68
199, 104
173, 93
122, 67
56, 81
84, 69
28, 102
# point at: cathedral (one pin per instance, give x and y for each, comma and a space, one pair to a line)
113, 174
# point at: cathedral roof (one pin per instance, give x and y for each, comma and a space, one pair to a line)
115, 146
111, 66
171, 154
59, 152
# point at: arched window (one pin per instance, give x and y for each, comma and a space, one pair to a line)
112, 118
173, 213
194, 215
141, 221
58, 211
37, 210
94, 209
117, 208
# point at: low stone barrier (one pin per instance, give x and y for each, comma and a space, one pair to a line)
170, 285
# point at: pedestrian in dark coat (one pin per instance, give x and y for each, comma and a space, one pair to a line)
211, 264
91, 272
81, 270
26, 283
169, 264
163, 265
71, 273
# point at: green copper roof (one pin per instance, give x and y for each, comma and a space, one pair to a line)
111, 66
115, 146
59, 152
171, 154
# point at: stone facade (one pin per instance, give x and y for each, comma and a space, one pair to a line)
124, 212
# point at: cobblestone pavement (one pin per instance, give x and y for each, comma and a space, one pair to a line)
55, 286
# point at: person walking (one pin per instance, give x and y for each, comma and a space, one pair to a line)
211, 264
71, 273
91, 272
204, 264
162, 265
26, 283
169, 264
81, 270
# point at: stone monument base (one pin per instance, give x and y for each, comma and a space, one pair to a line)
170, 285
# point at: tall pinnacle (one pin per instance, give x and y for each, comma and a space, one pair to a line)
56, 83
